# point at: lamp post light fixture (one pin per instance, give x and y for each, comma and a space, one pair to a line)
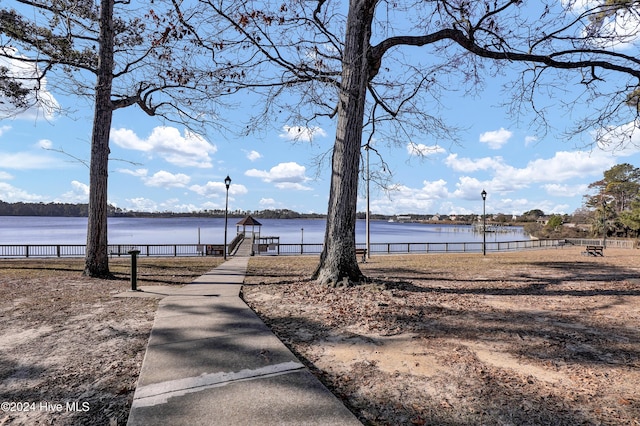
484, 223
227, 183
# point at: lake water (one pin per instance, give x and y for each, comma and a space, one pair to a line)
73, 230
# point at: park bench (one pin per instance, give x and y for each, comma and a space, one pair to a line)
363, 253
595, 251
215, 250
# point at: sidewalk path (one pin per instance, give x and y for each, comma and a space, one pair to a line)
211, 361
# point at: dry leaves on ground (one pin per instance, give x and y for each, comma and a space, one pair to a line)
528, 338
70, 352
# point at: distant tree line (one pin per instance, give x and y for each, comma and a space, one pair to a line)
81, 210
42, 209
611, 209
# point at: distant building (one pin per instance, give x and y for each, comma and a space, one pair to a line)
542, 220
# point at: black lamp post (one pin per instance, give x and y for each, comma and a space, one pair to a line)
604, 223
484, 223
227, 182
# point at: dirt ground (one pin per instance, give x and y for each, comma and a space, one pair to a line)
545, 337
70, 353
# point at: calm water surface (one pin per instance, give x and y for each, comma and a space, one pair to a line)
73, 230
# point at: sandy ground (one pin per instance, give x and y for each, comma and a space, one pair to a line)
70, 353
546, 337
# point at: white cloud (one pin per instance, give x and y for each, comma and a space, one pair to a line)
436, 189
469, 165
136, 173
293, 186
79, 193
42, 106
469, 188
424, 150
620, 30
403, 199
253, 155
522, 205
44, 144
268, 202
188, 150
562, 167
558, 209
162, 178
558, 190
174, 205
216, 189
4, 129
181, 207
143, 204
496, 138
528, 140
5, 176
11, 194
289, 175
167, 180
621, 141
301, 133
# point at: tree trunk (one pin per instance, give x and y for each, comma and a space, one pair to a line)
97, 258
338, 259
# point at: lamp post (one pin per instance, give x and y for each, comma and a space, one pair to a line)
227, 183
301, 240
604, 223
368, 217
484, 223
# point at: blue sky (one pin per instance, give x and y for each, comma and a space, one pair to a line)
158, 166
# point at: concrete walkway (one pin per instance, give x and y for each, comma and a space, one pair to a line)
211, 361
244, 248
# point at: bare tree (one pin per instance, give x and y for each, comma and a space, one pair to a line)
383, 67
120, 55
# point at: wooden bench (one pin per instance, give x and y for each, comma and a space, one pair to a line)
595, 251
363, 253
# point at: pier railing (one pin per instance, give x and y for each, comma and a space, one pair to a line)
157, 250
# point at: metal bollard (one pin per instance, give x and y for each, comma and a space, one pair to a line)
134, 269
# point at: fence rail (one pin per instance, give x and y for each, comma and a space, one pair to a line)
611, 243
399, 248
115, 250
158, 250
